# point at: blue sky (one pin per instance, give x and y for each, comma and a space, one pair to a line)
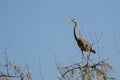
35, 30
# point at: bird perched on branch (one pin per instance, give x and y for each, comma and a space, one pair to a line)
82, 43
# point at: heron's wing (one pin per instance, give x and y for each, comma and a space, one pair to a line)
85, 46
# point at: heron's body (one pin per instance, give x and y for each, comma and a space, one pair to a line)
82, 43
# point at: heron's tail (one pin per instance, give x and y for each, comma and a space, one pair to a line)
93, 51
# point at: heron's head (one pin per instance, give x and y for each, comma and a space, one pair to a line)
72, 20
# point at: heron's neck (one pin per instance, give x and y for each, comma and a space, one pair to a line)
75, 35
76, 24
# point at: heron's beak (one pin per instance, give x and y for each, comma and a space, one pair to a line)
68, 20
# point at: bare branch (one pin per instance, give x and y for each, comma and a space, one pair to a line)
42, 78
115, 44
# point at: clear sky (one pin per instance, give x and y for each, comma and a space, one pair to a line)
36, 29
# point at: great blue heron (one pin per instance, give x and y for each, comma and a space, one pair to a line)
82, 43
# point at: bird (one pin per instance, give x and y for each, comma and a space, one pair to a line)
82, 43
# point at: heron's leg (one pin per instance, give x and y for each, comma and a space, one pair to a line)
82, 56
88, 57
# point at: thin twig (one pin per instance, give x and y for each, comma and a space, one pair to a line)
3, 75
42, 78
115, 44
97, 43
